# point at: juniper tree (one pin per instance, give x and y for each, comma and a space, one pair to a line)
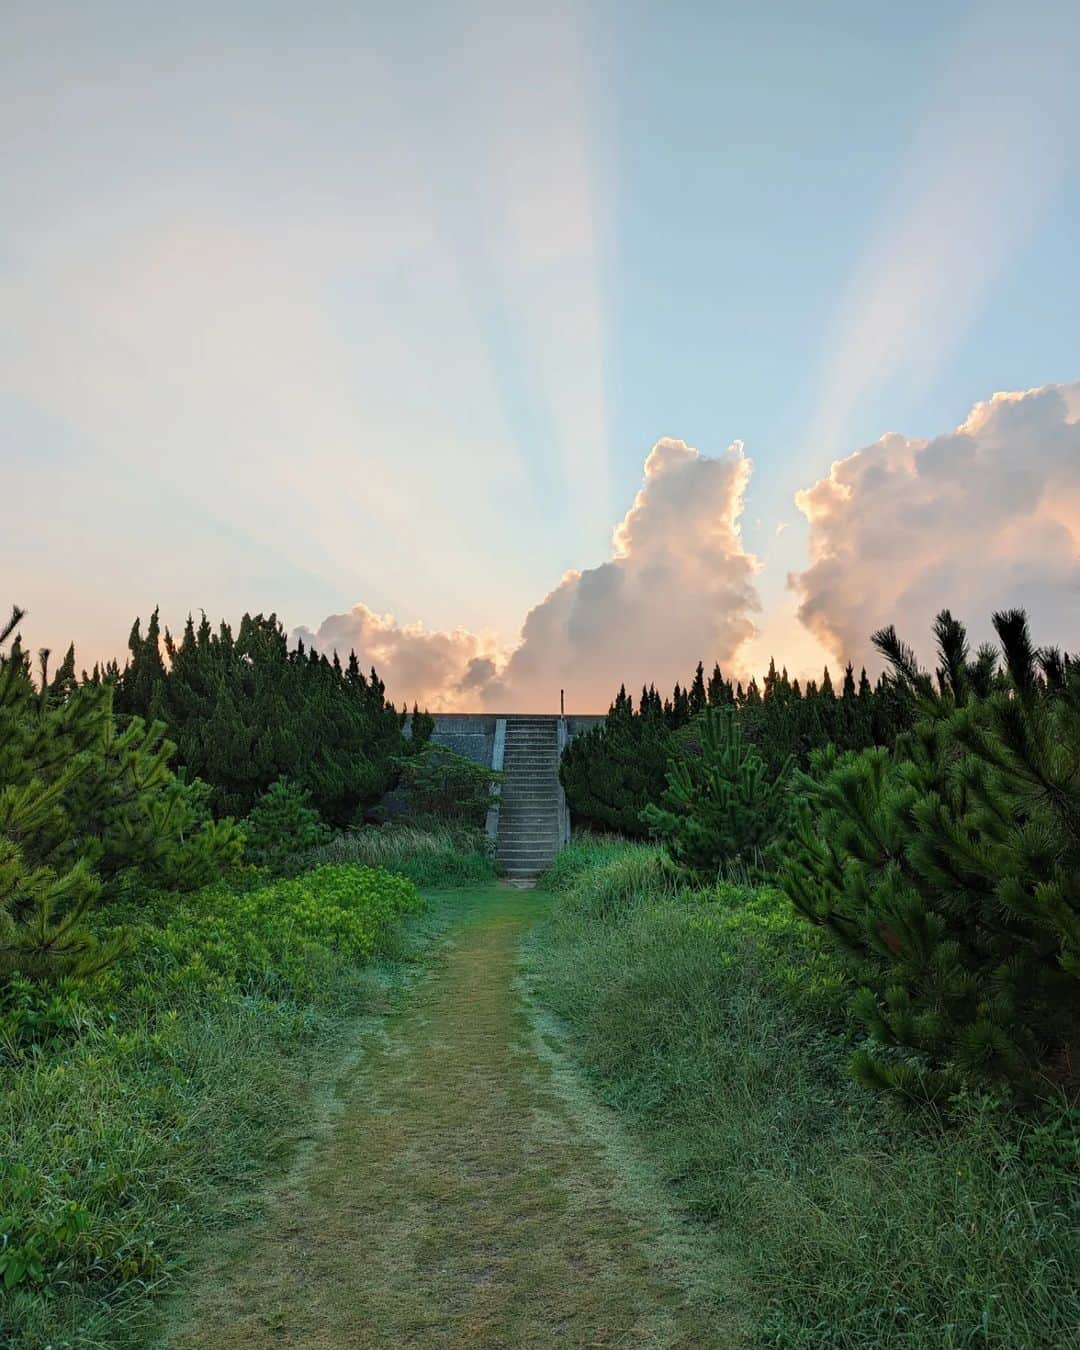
612, 771
421, 727
698, 698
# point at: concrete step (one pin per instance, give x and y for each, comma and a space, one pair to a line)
529, 799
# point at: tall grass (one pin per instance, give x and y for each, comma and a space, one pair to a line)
436, 856
714, 1020
136, 1112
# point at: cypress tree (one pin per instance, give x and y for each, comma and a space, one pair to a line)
698, 699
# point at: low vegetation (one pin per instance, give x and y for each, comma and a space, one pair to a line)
160, 998
717, 1020
135, 1105
908, 920
872, 889
435, 855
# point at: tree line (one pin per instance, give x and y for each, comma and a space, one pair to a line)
245, 709
614, 771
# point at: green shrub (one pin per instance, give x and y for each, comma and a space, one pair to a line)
433, 856
275, 937
282, 825
439, 786
949, 873
714, 1020
721, 806
134, 1103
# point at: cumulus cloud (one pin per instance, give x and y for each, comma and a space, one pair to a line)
440, 670
980, 518
679, 587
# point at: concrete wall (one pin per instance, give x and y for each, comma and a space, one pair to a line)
468, 734
576, 723
480, 737
473, 734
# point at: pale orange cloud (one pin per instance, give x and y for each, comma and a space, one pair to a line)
980, 518
678, 588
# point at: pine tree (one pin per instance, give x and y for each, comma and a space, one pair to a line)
281, 826
722, 806
82, 802
949, 872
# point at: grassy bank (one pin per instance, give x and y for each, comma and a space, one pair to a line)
140, 1109
715, 1021
435, 856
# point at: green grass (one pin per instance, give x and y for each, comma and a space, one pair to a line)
436, 856
139, 1112
466, 1193
715, 1021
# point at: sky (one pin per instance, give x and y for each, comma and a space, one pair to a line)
541, 346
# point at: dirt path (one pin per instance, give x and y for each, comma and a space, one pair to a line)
466, 1193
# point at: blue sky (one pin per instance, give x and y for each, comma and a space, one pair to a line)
359, 303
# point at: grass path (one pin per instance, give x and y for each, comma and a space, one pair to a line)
464, 1191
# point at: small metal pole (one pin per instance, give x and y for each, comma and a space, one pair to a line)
562, 702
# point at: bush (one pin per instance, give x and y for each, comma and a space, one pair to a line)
277, 937
714, 1020
440, 787
949, 873
432, 857
721, 807
134, 1106
282, 825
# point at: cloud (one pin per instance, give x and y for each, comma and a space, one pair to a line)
678, 588
980, 518
977, 519
440, 670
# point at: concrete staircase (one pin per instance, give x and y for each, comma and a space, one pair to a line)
531, 799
